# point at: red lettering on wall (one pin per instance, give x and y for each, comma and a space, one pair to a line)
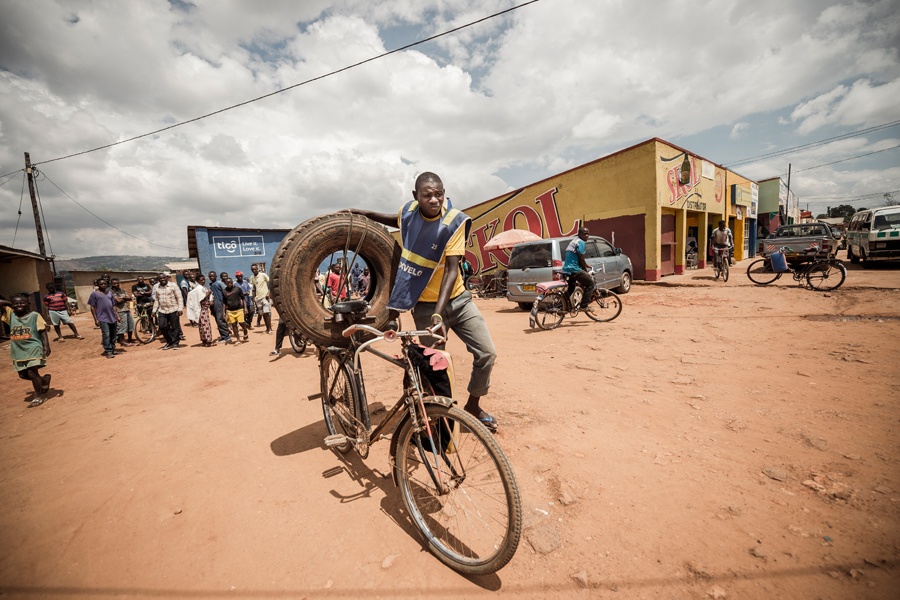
491, 259
547, 200
532, 220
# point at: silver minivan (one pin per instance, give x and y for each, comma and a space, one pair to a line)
534, 262
874, 233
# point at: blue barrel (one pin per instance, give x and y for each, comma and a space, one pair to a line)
779, 263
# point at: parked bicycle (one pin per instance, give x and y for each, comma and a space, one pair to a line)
720, 263
820, 273
145, 329
558, 299
457, 484
488, 286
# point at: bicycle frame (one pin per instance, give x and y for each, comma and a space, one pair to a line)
413, 395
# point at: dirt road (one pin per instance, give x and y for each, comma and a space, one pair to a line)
716, 441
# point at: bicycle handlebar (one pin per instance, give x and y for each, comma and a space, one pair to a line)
390, 335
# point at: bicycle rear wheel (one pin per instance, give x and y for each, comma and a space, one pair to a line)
825, 276
550, 311
606, 306
144, 328
460, 491
760, 272
340, 400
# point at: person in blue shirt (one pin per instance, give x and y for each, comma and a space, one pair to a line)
576, 266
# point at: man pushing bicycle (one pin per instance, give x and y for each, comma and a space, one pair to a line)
576, 267
430, 284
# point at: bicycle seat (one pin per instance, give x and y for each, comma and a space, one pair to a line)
350, 307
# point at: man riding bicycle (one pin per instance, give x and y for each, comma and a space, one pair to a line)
576, 268
722, 238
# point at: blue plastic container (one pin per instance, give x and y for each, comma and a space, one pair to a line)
779, 263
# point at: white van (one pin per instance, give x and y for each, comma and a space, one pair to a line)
874, 233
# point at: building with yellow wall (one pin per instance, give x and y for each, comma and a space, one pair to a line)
649, 200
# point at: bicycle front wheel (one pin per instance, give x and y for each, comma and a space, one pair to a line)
550, 311
760, 272
606, 306
725, 270
826, 276
340, 400
460, 491
144, 328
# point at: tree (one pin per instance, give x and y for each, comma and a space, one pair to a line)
844, 210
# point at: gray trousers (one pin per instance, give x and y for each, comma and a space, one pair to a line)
463, 318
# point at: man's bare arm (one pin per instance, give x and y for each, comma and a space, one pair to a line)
383, 218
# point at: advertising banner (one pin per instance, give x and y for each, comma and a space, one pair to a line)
232, 246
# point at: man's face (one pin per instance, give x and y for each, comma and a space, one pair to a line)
140, 280
163, 280
212, 276
254, 269
19, 305
223, 276
584, 233
430, 195
229, 284
51, 288
101, 285
114, 283
240, 277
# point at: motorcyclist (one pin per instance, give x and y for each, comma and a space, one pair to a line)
576, 267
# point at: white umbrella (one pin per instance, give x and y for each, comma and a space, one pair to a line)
508, 239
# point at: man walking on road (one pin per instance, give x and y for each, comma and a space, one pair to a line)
58, 311
219, 307
260, 282
103, 308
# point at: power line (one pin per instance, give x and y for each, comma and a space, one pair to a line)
854, 196
846, 159
843, 136
10, 175
102, 220
296, 85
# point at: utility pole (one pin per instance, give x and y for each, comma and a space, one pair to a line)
34, 206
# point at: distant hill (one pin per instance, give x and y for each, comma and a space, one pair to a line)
117, 263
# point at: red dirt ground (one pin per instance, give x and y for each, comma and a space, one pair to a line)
716, 441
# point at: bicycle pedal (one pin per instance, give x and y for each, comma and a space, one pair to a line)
335, 440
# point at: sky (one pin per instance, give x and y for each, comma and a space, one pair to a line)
491, 107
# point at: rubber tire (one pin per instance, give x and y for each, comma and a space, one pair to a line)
506, 547
625, 286
725, 270
854, 259
611, 310
298, 346
526, 306
835, 276
305, 247
557, 303
329, 369
758, 274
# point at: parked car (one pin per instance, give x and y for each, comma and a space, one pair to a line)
874, 233
797, 238
534, 262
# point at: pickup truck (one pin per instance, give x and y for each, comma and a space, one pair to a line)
797, 238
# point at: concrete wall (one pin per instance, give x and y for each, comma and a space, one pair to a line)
25, 274
84, 283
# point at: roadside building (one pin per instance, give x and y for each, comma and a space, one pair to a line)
648, 199
777, 205
83, 282
233, 249
24, 272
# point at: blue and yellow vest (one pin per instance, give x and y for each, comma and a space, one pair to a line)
423, 243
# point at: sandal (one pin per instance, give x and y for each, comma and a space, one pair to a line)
79, 337
45, 384
36, 402
59, 339
488, 421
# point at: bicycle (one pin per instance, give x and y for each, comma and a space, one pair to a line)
720, 263
821, 273
488, 287
456, 482
555, 301
145, 328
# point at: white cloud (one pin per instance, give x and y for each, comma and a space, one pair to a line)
543, 89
